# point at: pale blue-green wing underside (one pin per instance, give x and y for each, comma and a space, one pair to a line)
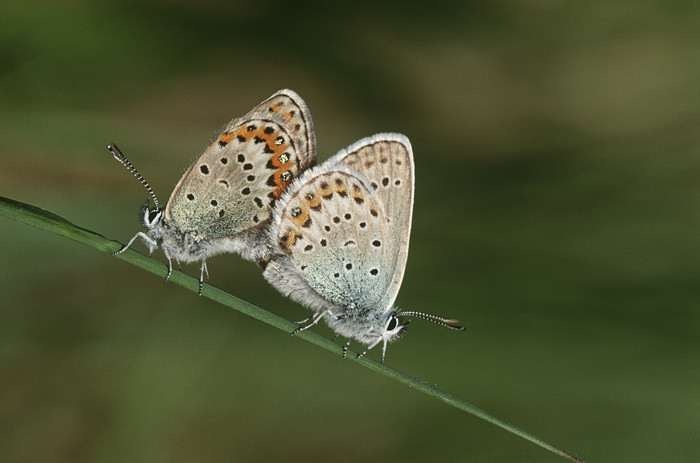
386, 161
331, 232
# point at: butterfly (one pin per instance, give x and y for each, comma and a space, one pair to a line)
224, 201
339, 238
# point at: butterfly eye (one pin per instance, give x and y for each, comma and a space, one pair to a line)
394, 328
152, 215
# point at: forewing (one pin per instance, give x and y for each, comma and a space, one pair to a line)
333, 232
386, 161
245, 169
298, 123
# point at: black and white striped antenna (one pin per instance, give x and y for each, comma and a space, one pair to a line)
119, 156
446, 322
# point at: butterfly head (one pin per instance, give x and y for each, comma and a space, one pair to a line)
396, 324
394, 327
151, 218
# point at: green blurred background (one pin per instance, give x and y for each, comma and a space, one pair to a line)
557, 215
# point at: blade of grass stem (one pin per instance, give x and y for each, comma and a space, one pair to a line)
37, 217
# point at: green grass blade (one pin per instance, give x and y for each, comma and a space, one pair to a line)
32, 215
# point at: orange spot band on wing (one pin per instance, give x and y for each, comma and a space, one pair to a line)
282, 184
226, 137
277, 109
313, 201
302, 218
288, 239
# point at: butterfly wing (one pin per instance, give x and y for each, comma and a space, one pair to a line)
330, 236
237, 178
290, 105
386, 161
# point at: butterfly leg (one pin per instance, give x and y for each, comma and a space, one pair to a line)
150, 242
170, 264
306, 320
345, 347
359, 356
316, 318
204, 272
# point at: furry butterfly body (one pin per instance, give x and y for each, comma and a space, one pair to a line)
224, 200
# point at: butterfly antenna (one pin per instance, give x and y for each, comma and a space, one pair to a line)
119, 156
446, 322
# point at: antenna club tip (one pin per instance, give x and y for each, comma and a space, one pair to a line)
452, 322
114, 151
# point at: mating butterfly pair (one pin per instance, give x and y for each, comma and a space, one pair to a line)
333, 237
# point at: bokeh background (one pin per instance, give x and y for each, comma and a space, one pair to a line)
557, 215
